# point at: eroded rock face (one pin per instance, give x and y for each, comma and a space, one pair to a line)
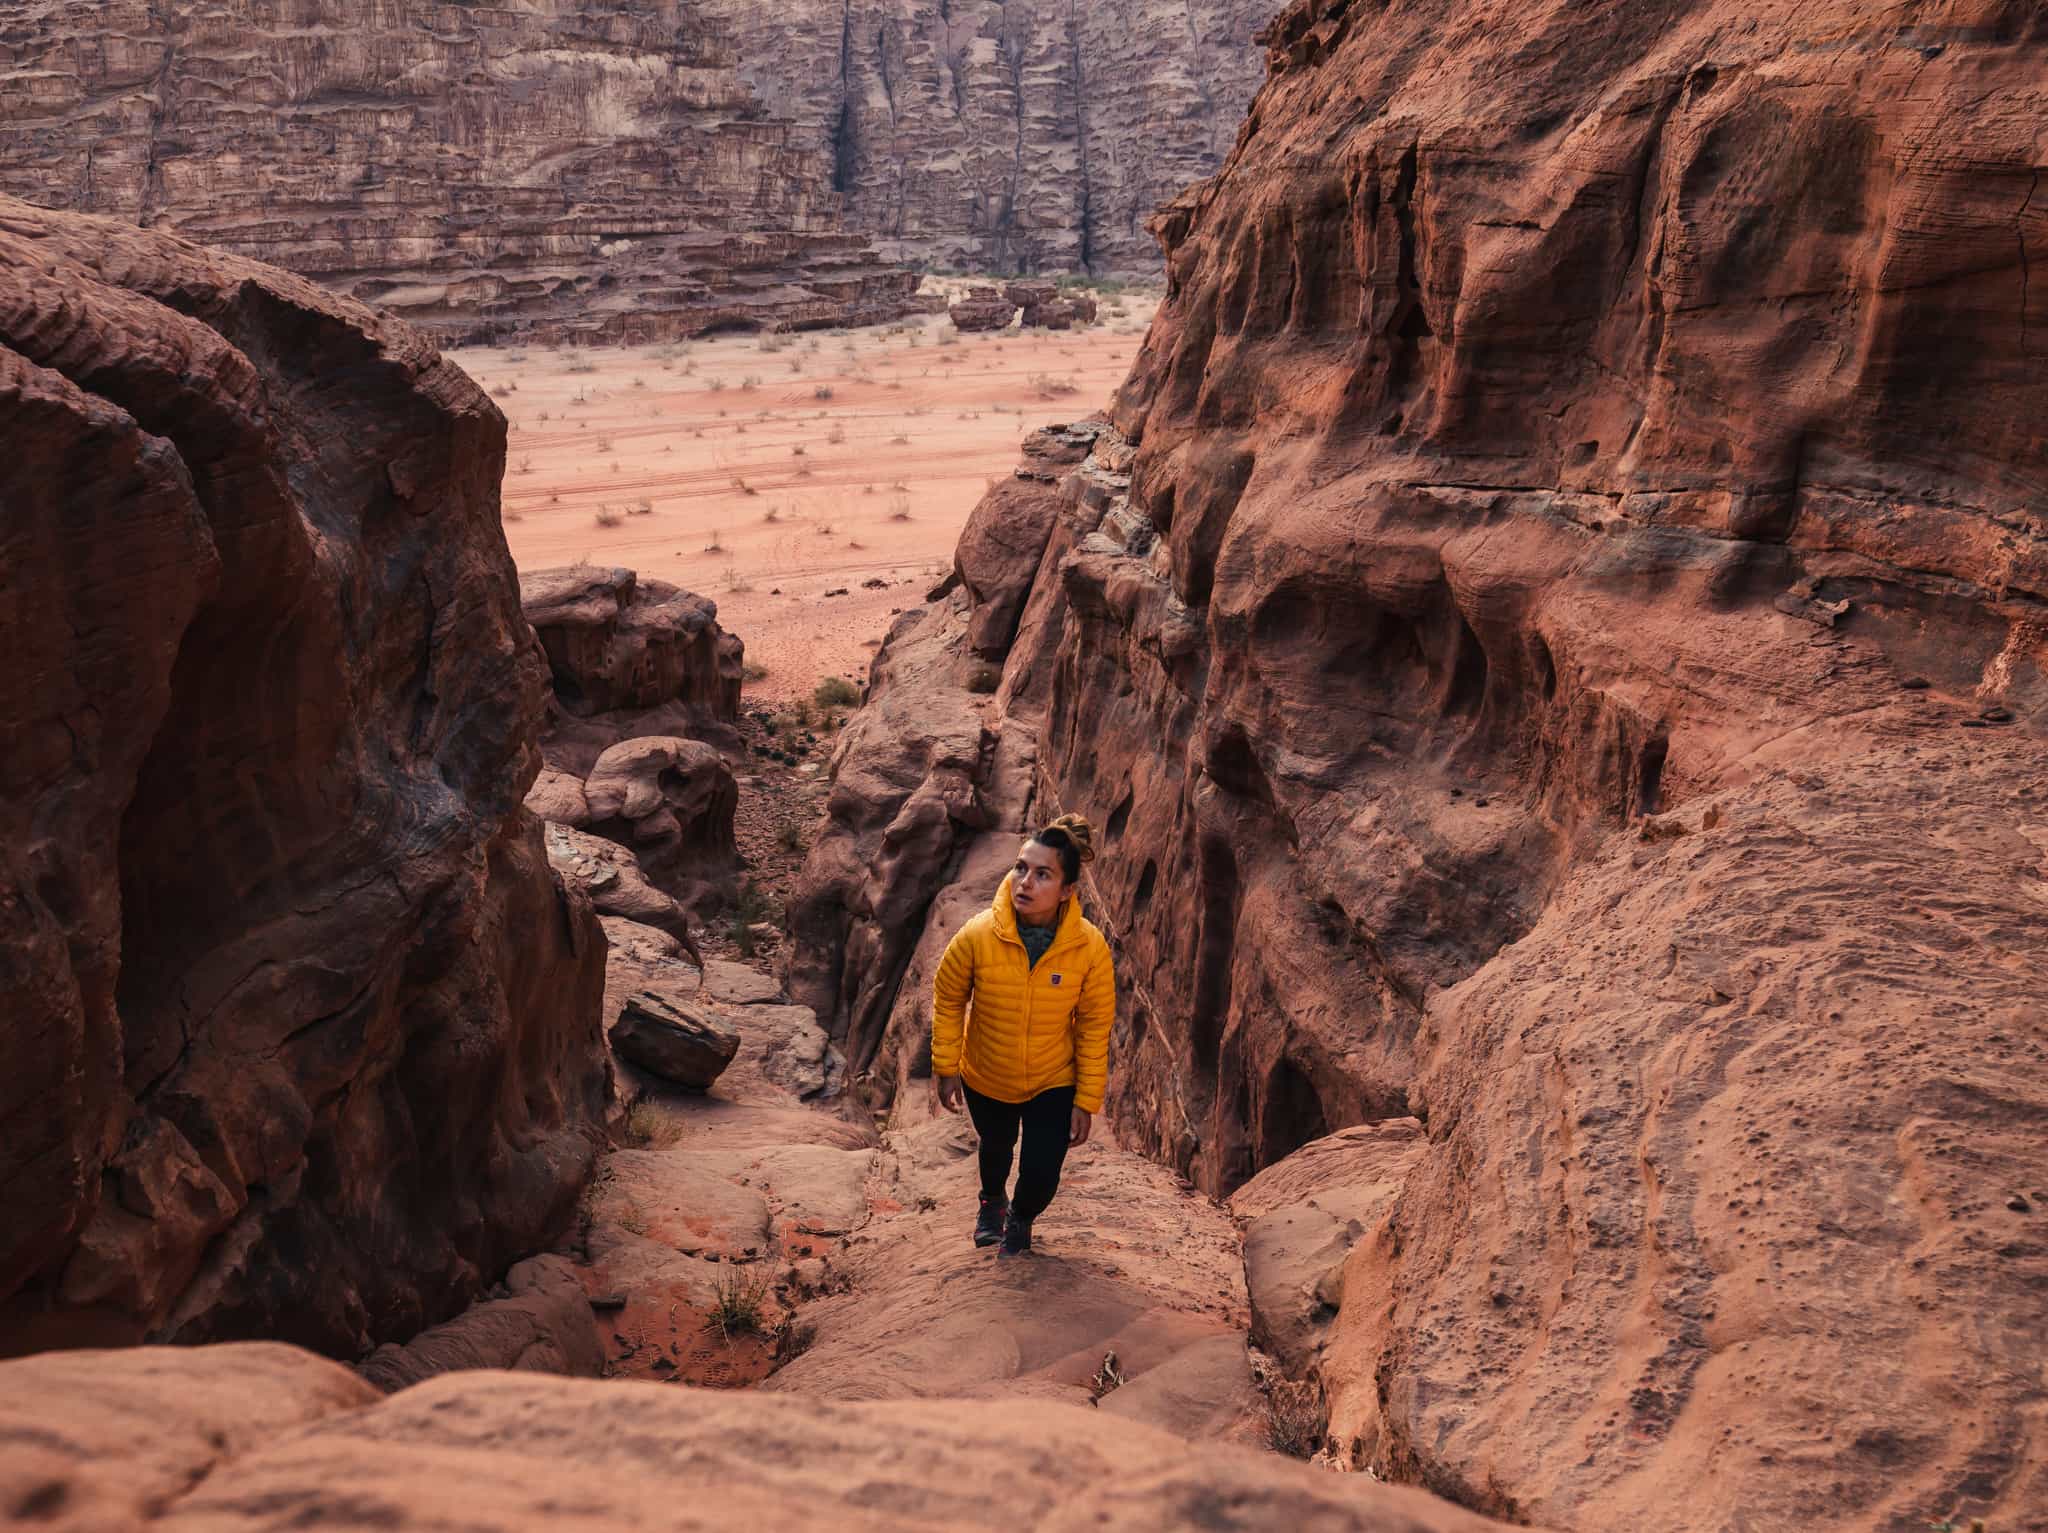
619, 644
303, 1031
490, 173
1564, 642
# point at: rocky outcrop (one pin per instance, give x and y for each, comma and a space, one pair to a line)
302, 1033
984, 308
512, 1453
617, 643
1045, 306
490, 173
1543, 646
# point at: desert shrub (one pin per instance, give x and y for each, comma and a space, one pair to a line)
822, 391
582, 366
753, 670
1046, 386
608, 517
643, 508
717, 543
740, 1299
986, 678
835, 692
647, 1127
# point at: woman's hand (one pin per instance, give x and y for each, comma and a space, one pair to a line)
1082, 1120
951, 1096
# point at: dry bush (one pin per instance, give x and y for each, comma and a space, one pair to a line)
822, 391
717, 544
643, 508
836, 435
899, 508
1295, 1419
1046, 386
608, 517
835, 692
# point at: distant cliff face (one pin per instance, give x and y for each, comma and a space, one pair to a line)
1008, 135
629, 171
552, 169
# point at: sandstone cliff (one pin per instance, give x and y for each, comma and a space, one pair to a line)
1007, 135
632, 171
301, 1036
1553, 637
554, 171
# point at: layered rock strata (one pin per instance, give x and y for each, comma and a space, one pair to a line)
1555, 647
632, 172
548, 172
1007, 135
302, 1036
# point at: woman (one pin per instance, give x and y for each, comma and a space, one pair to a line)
1036, 1052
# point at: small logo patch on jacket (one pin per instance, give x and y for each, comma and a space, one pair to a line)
1057, 978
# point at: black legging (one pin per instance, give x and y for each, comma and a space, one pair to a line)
1047, 1120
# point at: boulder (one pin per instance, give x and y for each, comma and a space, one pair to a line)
984, 308
274, 919
684, 1045
557, 798
616, 642
672, 802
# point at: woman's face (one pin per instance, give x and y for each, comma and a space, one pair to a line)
1037, 883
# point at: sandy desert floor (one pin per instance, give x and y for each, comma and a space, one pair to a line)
812, 484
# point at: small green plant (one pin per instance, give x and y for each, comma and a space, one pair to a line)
835, 692
740, 1300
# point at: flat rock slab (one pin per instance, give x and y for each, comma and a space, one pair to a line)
737, 985
517, 1453
814, 1189
670, 1198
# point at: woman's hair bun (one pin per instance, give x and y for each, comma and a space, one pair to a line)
1078, 831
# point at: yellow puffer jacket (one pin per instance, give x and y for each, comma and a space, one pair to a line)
1033, 1028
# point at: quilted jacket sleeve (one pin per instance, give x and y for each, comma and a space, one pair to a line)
950, 989
1093, 1014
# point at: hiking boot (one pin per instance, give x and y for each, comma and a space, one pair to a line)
988, 1224
1016, 1237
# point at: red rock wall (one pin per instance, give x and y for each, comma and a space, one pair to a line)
1565, 653
302, 1037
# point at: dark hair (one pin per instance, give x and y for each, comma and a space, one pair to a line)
1074, 839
